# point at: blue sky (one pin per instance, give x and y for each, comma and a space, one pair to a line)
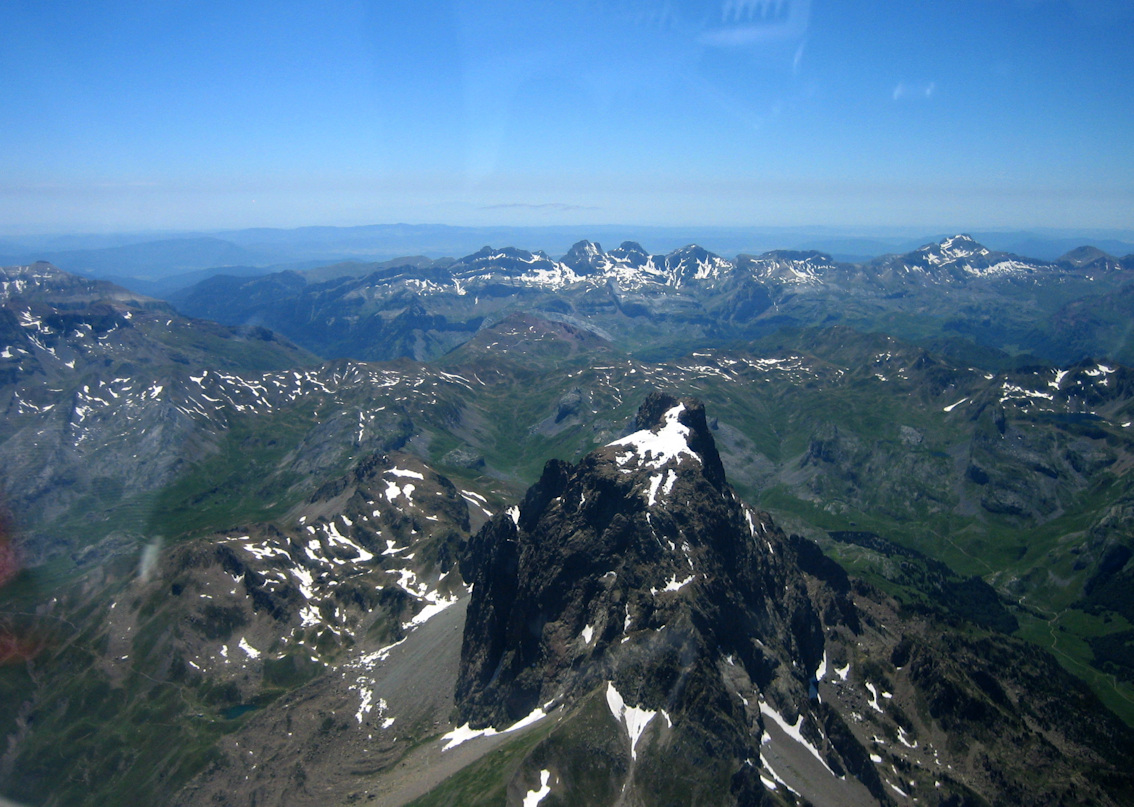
181, 114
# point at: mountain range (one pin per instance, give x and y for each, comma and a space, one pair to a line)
159, 263
439, 539
955, 296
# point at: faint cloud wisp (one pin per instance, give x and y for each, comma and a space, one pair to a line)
558, 207
906, 91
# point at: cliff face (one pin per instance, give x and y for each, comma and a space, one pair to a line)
638, 573
695, 653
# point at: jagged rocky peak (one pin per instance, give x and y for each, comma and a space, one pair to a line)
962, 242
693, 262
632, 246
586, 257
585, 248
637, 578
484, 253
506, 258
632, 253
40, 270
667, 430
684, 650
955, 248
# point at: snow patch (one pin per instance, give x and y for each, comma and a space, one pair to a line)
655, 449
663, 482
264, 551
874, 698
306, 579
308, 616
463, 734
535, 716
674, 585
767, 766
534, 797
821, 670
393, 491
431, 610
333, 534
366, 698
368, 660
634, 719
793, 731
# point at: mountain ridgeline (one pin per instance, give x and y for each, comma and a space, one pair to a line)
955, 295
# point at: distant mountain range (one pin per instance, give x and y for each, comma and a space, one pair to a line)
160, 263
955, 296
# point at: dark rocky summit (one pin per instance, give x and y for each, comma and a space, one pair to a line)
738, 664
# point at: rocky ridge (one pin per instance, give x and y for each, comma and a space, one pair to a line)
677, 300
740, 664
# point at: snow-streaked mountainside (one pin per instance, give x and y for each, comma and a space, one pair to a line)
960, 259
246, 570
586, 264
76, 390
631, 267
124, 391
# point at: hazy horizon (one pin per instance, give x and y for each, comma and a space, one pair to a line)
170, 257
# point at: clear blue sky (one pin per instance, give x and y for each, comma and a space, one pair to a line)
183, 114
